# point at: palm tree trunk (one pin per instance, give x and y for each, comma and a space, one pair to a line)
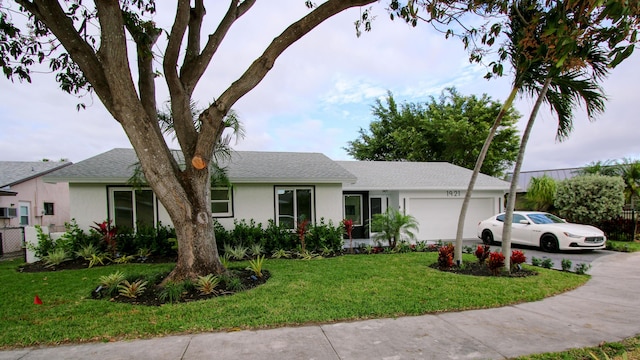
511, 199
476, 171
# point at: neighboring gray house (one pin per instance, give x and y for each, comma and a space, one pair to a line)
432, 192
557, 174
282, 186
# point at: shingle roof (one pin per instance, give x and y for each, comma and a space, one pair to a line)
117, 165
395, 175
15, 172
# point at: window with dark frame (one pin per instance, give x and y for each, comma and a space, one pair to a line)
48, 208
294, 203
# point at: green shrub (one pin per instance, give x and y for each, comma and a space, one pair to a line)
246, 234
132, 289
45, 244
86, 251
96, 259
237, 252
547, 263
279, 237
255, 265
55, 257
566, 264
323, 235
110, 282
256, 249
207, 284
582, 268
280, 253
590, 199
536, 261
171, 292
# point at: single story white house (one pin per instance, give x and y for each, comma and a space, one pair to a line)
283, 186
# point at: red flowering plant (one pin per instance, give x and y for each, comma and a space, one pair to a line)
109, 235
445, 257
348, 227
482, 253
517, 258
495, 263
302, 231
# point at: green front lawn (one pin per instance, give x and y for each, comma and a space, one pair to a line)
298, 292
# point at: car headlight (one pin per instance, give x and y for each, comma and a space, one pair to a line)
570, 235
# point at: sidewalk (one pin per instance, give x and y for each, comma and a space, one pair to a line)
607, 308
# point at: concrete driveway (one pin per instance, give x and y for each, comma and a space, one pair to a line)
576, 257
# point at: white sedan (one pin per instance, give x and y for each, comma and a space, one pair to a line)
545, 230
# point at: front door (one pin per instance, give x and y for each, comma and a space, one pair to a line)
377, 205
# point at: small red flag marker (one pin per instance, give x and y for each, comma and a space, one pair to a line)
37, 300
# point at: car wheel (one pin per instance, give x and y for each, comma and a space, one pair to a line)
487, 237
549, 243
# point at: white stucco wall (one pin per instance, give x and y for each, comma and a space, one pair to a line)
88, 204
257, 202
250, 201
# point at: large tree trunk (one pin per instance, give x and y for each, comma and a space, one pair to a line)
513, 188
476, 172
183, 189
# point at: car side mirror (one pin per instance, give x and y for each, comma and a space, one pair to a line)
524, 222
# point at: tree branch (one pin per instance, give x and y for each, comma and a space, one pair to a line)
112, 54
197, 13
212, 118
180, 99
54, 17
145, 35
196, 64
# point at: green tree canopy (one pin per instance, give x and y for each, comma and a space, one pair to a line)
451, 128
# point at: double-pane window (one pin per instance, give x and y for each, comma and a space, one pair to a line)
221, 202
132, 208
293, 205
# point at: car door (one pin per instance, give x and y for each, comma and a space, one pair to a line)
521, 232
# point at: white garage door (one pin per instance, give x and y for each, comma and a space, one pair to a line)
438, 218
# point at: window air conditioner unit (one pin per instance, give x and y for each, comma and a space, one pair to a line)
7, 213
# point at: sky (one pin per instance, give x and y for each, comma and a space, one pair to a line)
319, 93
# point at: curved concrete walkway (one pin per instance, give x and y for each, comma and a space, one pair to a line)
607, 308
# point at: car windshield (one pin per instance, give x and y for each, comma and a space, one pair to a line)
544, 218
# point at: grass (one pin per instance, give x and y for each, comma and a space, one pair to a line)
299, 292
627, 349
623, 246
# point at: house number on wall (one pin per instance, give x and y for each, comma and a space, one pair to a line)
454, 193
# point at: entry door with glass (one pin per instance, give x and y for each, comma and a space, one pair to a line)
377, 205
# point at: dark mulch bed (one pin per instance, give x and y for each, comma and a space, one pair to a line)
80, 263
152, 294
477, 269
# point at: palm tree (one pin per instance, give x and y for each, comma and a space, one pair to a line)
607, 167
629, 170
563, 88
392, 225
541, 193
